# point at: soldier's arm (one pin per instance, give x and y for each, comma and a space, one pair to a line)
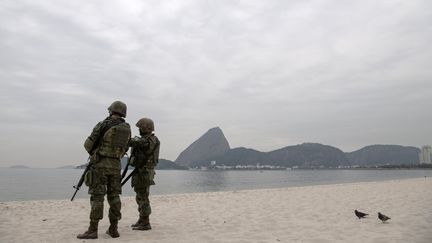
127, 144
138, 142
89, 143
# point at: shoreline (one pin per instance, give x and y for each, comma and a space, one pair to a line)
318, 213
82, 194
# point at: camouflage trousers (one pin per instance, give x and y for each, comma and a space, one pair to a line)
142, 199
141, 183
103, 181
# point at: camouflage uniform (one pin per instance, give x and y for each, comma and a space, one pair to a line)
106, 144
145, 157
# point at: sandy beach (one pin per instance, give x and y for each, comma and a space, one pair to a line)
298, 214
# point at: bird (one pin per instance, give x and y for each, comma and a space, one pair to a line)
360, 214
383, 217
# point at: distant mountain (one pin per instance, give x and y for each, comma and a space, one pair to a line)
67, 167
236, 156
169, 165
308, 155
384, 154
213, 146
83, 166
303, 155
19, 167
210, 145
163, 164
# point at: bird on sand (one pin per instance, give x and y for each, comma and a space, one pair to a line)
383, 217
360, 214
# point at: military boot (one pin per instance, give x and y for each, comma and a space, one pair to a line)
143, 224
91, 233
138, 222
112, 230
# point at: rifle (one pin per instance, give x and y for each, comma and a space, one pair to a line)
127, 165
81, 180
136, 166
129, 176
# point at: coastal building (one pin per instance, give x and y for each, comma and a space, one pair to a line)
425, 155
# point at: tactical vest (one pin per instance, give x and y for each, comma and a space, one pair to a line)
153, 157
115, 140
148, 157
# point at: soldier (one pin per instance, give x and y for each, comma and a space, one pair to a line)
145, 156
106, 145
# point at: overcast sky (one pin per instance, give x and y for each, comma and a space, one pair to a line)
268, 73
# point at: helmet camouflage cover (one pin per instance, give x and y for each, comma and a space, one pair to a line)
118, 107
145, 124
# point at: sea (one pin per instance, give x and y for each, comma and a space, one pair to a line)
18, 184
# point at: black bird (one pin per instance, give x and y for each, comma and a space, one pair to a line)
360, 214
383, 217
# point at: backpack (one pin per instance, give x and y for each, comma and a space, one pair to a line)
114, 143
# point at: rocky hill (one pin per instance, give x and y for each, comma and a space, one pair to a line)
303, 155
308, 155
237, 156
165, 164
384, 154
213, 146
210, 145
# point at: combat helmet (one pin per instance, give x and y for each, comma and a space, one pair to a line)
146, 125
118, 107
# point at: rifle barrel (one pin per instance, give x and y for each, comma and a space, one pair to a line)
125, 170
77, 188
129, 176
81, 180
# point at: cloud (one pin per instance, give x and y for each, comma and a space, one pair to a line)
269, 73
